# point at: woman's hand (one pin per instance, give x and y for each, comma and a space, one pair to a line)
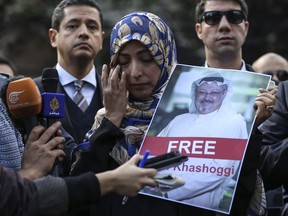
128, 179
114, 94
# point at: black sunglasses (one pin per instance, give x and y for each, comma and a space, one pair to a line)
214, 17
282, 75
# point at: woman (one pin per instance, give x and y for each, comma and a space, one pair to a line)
143, 56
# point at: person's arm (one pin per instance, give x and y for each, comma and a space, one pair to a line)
274, 149
50, 194
60, 194
127, 179
247, 178
97, 158
18, 195
68, 146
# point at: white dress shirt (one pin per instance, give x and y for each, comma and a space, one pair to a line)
67, 80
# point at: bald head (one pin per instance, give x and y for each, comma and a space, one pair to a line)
271, 62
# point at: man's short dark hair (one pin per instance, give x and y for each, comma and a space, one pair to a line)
6, 61
201, 4
58, 14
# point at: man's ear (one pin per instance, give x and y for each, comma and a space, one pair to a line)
53, 37
198, 30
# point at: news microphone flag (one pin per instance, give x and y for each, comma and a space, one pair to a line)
53, 105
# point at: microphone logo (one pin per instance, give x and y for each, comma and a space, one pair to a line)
14, 96
54, 104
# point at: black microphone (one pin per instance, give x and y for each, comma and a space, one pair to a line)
50, 79
53, 103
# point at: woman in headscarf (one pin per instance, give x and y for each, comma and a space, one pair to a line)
144, 48
143, 56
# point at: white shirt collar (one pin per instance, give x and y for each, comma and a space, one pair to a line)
243, 68
66, 78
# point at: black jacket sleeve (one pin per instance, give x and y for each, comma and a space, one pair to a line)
18, 195
58, 195
83, 189
248, 174
274, 150
97, 158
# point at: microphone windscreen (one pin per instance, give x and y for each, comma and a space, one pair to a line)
23, 98
50, 79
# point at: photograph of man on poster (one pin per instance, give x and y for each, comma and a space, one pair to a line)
210, 112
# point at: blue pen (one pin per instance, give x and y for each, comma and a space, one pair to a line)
144, 159
141, 164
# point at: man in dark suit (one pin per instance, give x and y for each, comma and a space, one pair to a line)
222, 26
77, 34
274, 155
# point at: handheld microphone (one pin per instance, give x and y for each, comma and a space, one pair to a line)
24, 102
52, 102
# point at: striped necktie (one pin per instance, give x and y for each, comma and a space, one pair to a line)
78, 97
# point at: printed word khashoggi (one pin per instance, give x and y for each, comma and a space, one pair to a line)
197, 147
219, 171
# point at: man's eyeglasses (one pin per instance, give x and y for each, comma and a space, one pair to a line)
214, 17
212, 94
282, 75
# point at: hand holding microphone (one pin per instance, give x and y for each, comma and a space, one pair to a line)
41, 151
25, 103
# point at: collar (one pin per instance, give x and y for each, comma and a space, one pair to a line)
243, 68
65, 78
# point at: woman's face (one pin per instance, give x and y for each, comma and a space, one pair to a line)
140, 68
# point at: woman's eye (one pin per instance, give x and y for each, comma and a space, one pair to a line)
123, 63
147, 59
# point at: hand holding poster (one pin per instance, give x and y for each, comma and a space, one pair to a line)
206, 114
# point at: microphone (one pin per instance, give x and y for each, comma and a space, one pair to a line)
53, 103
24, 102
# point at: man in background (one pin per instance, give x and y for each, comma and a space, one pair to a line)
272, 64
77, 35
222, 26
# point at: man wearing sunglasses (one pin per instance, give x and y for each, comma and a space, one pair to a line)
222, 25
272, 64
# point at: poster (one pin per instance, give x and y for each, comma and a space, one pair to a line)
206, 114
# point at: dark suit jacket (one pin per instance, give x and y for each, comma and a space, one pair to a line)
75, 122
274, 150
